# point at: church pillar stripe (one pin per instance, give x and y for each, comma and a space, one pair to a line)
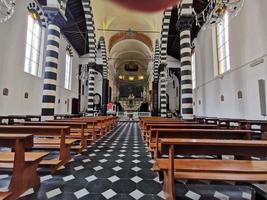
104, 57
164, 34
90, 29
156, 61
186, 62
50, 71
163, 59
163, 102
91, 86
92, 52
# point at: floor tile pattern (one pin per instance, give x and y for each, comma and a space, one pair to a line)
116, 167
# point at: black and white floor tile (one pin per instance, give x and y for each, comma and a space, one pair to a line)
117, 167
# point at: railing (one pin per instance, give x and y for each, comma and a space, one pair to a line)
133, 115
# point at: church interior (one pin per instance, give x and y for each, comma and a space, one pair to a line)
133, 100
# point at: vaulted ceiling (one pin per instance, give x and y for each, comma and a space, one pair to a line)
130, 35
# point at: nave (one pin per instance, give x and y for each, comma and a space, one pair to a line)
118, 166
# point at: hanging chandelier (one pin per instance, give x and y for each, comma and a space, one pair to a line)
7, 8
215, 10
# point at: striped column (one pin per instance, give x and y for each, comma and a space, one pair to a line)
155, 80
164, 34
104, 57
185, 20
92, 52
50, 72
91, 89
163, 90
156, 62
105, 75
186, 75
163, 57
90, 30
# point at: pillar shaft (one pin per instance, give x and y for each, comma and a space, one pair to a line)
50, 71
163, 90
155, 104
91, 89
186, 75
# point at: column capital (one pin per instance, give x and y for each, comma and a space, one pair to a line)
185, 23
55, 16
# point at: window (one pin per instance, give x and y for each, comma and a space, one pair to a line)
68, 70
33, 43
222, 31
193, 70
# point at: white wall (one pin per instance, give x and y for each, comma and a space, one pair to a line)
13, 77
248, 41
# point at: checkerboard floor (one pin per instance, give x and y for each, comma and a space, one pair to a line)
117, 167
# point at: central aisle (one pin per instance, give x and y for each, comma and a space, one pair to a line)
117, 167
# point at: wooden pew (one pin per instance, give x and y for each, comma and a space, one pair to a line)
206, 169
145, 128
247, 124
180, 125
76, 129
198, 133
91, 127
228, 122
24, 164
62, 144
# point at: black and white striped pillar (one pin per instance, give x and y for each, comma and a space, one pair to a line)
164, 34
105, 75
163, 57
163, 90
156, 62
55, 20
91, 89
92, 53
155, 80
186, 75
185, 21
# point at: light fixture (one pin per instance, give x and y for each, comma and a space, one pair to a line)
215, 10
140, 77
121, 77
131, 78
7, 8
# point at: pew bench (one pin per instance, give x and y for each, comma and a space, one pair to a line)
77, 131
47, 138
244, 170
200, 132
23, 164
154, 127
91, 128
144, 126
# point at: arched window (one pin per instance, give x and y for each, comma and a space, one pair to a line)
223, 44
68, 69
194, 70
33, 44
